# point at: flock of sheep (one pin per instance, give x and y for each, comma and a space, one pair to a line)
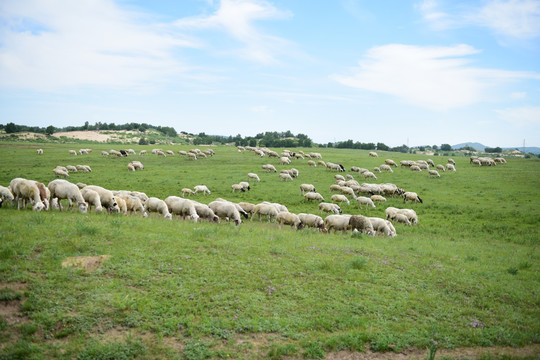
42, 197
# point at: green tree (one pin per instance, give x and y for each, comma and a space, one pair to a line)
49, 130
11, 128
446, 147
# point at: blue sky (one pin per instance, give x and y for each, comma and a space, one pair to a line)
422, 72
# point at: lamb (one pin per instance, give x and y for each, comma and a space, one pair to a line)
106, 197
122, 206
63, 189
204, 212
201, 188
307, 188
253, 176
380, 226
92, 198
288, 218
312, 221
44, 194
72, 152
362, 200
362, 224
60, 172
154, 204
269, 168
451, 167
337, 222
412, 196
313, 196
226, 210
434, 173
440, 167
329, 208
340, 198
187, 191
390, 162
237, 187
321, 163
265, 209
378, 198
182, 207
312, 163
373, 154
285, 176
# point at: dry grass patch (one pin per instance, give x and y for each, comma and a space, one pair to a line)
87, 263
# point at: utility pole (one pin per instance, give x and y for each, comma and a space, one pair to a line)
523, 145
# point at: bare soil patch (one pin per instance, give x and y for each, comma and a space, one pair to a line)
87, 263
10, 310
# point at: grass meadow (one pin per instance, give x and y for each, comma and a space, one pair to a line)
466, 276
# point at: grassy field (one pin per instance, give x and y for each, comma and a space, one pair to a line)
466, 276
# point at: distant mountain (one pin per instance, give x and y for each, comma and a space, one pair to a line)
528, 149
474, 145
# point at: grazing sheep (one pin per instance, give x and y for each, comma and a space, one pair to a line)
313, 196
402, 218
265, 209
362, 200
44, 194
204, 212
83, 168
430, 162
253, 176
81, 185
338, 177
170, 152
133, 204
345, 190
441, 167
71, 168
63, 189
312, 163
390, 162
285, 160
369, 174
226, 210
106, 197
201, 188
340, 198
385, 167
337, 222
415, 168
335, 187
312, 221
245, 185
5, 194
122, 206
92, 198
392, 212
182, 207
238, 207
137, 165
24, 190
39, 151
287, 218
154, 204
378, 198
451, 161
60, 172
130, 167
412, 196
161, 153
307, 188
451, 167
72, 152
143, 152
104, 153
381, 226
377, 170
362, 224
269, 168
476, 162
294, 172
187, 191
500, 160
434, 173
329, 208
247, 207
237, 187
285, 176
373, 154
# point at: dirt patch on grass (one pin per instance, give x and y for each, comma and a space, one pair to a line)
459, 353
10, 305
87, 263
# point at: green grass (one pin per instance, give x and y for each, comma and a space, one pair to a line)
467, 272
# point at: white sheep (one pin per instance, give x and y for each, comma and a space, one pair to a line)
338, 177
380, 226
133, 204
182, 207
412, 196
307, 188
106, 197
285, 176
253, 176
143, 152
369, 174
345, 190
23, 190
287, 218
415, 168
451, 167
72, 152
312, 163
390, 162
430, 162
226, 210
392, 212
337, 222
201, 188
385, 167
104, 153
329, 208
451, 161
373, 154
204, 212
238, 207
269, 168
245, 185
265, 209
402, 218
285, 160
60, 172
137, 165
377, 198
92, 198
434, 173
340, 198
247, 207
39, 151
122, 206
312, 221
377, 170
362, 224
313, 196
187, 191
237, 187
63, 189
441, 167
154, 204
5, 194
170, 152
362, 200
130, 167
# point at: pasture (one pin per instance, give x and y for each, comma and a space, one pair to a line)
466, 276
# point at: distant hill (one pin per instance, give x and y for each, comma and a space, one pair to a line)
474, 145
528, 149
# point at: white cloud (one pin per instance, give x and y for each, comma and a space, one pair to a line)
49, 45
518, 95
511, 18
520, 116
438, 78
262, 109
237, 18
